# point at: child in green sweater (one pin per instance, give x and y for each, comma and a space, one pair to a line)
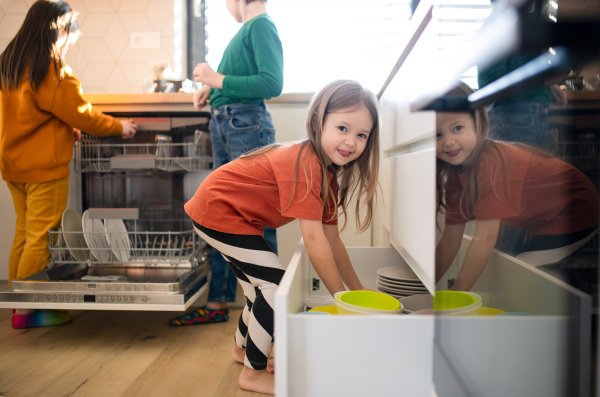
251, 69
250, 72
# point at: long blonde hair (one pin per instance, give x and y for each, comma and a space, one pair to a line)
357, 179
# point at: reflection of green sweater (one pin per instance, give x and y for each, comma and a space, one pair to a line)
539, 95
252, 64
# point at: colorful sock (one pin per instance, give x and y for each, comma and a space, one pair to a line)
40, 318
204, 315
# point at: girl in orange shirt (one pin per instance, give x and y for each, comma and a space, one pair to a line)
41, 107
494, 182
307, 180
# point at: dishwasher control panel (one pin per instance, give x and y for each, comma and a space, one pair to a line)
87, 298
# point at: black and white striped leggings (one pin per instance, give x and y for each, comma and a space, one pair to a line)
259, 271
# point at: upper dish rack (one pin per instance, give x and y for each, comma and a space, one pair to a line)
101, 155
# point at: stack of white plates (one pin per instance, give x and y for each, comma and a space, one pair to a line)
399, 281
84, 236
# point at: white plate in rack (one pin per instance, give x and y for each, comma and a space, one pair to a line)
73, 235
93, 230
118, 238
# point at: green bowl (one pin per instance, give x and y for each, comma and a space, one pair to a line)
324, 309
370, 300
489, 311
448, 300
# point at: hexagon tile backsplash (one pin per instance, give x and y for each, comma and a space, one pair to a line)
103, 58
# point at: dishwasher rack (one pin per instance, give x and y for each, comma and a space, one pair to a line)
134, 248
104, 155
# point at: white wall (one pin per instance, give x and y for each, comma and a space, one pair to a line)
103, 58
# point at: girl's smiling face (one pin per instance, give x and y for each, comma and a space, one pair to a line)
455, 137
345, 134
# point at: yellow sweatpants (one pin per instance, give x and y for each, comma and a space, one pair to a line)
39, 207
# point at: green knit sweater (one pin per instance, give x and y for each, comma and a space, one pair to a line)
252, 64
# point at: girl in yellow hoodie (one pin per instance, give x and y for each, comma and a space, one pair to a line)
41, 107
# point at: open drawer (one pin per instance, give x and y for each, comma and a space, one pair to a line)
348, 355
540, 348
543, 354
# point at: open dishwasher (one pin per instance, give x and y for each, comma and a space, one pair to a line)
125, 242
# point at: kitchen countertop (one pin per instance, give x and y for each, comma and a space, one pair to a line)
581, 111
583, 95
172, 102
147, 103
578, 103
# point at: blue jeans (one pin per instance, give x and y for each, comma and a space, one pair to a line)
525, 122
235, 130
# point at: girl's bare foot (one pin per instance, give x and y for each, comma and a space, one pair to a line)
238, 353
257, 381
271, 366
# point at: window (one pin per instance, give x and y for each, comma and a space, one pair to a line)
324, 40
457, 21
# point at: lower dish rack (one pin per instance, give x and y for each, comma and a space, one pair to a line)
143, 271
131, 248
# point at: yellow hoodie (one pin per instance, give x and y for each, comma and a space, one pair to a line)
36, 128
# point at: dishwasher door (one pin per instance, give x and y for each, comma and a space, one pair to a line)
157, 271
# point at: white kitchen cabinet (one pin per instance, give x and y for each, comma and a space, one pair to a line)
348, 355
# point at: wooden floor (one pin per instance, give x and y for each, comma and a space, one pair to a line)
113, 353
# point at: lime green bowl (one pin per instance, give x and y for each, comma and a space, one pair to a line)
489, 311
448, 300
370, 300
324, 309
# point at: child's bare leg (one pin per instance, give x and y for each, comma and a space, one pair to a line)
258, 381
238, 353
271, 359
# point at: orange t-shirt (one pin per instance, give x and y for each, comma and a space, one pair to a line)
243, 196
543, 194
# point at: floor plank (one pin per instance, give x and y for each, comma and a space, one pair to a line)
112, 353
